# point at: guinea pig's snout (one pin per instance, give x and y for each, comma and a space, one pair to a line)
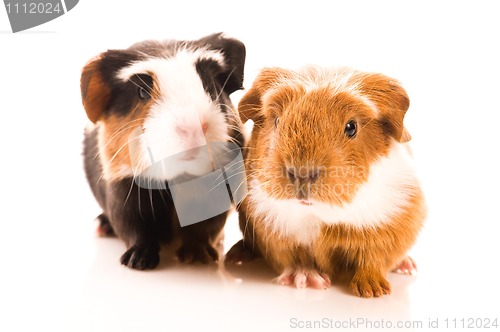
302, 175
186, 131
192, 136
302, 178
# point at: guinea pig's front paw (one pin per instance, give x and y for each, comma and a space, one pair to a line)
304, 278
406, 266
141, 257
369, 283
203, 253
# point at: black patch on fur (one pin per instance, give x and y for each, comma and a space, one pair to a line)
124, 95
234, 52
208, 70
144, 81
388, 128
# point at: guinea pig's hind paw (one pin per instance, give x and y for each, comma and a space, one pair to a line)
304, 278
197, 254
239, 253
406, 266
141, 257
104, 229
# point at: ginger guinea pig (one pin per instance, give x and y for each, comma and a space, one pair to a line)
156, 106
331, 186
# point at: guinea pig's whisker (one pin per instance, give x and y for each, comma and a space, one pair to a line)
257, 125
245, 230
234, 127
231, 107
225, 82
233, 140
146, 84
137, 85
227, 151
227, 169
230, 115
239, 163
121, 148
224, 180
129, 191
236, 174
239, 186
150, 191
126, 126
108, 166
131, 187
139, 197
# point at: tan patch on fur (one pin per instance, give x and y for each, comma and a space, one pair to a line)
115, 133
95, 93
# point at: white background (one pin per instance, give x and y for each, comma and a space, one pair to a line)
55, 275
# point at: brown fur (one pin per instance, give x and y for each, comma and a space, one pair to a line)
115, 130
310, 135
95, 93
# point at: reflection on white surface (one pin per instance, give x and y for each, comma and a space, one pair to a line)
191, 297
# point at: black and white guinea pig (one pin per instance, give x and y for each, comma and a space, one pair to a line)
153, 100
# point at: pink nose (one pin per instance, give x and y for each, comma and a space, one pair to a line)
190, 131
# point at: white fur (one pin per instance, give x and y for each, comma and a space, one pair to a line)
288, 218
391, 181
151, 65
369, 103
337, 79
183, 103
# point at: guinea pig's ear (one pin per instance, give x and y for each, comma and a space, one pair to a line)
391, 101
234, 52
95, 92
406, 137
250, 106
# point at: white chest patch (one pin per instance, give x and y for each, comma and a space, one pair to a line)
391, 182
288, 218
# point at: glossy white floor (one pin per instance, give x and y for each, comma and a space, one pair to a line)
57, 275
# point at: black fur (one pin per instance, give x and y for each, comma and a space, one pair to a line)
145, 218
231, 77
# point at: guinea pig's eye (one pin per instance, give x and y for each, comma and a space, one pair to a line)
143, 94
276, 121
351, 128
143, 83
